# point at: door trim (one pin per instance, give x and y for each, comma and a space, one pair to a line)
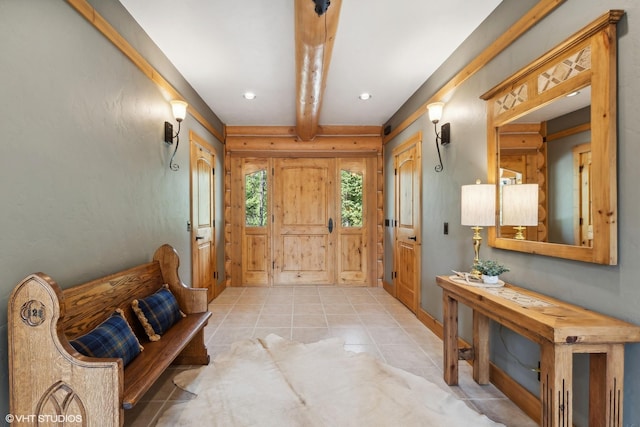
416, 140
196, 142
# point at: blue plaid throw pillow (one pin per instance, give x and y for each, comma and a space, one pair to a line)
157, 312
111, 338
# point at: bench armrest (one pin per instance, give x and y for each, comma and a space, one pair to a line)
191, 300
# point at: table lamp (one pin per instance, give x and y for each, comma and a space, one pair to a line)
478, 209
520, 207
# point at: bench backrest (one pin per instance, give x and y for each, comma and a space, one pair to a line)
87, 305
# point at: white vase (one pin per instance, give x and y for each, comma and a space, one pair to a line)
492, 280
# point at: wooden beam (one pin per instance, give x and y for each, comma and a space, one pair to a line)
314, 44
531, 18
333, 145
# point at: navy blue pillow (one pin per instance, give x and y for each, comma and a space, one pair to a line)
157, 312
111, 338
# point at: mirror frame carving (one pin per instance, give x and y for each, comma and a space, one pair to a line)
519, 94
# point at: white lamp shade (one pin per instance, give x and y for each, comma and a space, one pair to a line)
179, 109
520, 204
478, 205
435, 111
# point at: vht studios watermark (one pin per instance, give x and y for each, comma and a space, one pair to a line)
42, 418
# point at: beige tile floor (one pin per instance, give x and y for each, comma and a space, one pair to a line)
368, 319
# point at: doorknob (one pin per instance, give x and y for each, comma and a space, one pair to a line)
414, 238
330, 225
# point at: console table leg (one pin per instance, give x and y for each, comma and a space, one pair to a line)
450, 339
556, 385
480, 348
606, 373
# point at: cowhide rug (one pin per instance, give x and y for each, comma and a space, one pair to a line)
277, 382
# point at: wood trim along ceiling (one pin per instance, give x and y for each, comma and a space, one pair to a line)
528, 20
91, 15
314, 45
290, 131
577, 39
284, 146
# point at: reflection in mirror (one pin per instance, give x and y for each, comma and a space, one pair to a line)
551, 147
520, 207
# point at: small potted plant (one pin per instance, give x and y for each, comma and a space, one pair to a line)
490, 270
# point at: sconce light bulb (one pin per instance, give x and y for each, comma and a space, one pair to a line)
435, 111
179, 109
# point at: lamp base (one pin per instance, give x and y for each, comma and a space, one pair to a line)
477, 241
519, 234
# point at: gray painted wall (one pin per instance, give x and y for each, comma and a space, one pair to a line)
86, 188
613, 290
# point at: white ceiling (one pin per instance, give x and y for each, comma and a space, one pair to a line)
387, 48
558, 107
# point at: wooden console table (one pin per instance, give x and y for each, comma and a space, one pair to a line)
561, 329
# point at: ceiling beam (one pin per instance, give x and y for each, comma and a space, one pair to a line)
314, 44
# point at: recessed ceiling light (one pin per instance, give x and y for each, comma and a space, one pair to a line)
249, 95
365, 96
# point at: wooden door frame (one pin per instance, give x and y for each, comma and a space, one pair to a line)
416, 140
577, 153
233, 200
196, 142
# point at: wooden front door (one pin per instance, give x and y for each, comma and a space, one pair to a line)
202, 219
408, 177
304, 221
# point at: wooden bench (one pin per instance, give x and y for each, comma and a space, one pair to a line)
48, 377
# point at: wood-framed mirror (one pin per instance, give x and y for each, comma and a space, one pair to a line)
538, 133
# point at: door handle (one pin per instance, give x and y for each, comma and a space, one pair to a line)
330, 225
414, 238
199, 237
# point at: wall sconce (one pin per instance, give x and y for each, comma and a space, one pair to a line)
435, 114
520, 207
179, 109
478, 209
